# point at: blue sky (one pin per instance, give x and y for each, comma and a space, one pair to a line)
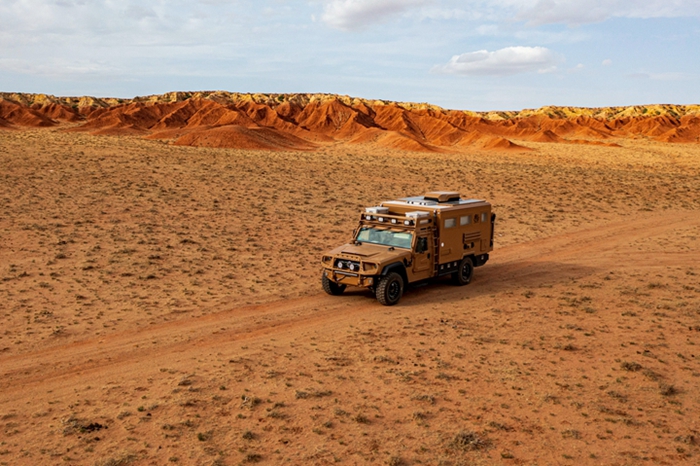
473, 54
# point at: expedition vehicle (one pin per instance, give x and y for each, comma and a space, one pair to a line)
412, 239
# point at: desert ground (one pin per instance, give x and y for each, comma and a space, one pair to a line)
161, 304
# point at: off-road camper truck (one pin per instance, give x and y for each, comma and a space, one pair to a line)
412, 239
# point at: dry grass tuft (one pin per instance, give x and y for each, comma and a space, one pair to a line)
469, 440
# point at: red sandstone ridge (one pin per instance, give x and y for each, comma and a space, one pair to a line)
305, 121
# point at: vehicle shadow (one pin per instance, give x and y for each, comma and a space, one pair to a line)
489, 279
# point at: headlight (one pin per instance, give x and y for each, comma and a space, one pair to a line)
369, 267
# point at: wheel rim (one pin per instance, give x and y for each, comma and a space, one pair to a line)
466, 269
393, 290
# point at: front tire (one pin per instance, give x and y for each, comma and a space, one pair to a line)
332, 287
390, 289
464, 274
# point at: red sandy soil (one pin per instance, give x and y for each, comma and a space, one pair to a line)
302, 121
161, 303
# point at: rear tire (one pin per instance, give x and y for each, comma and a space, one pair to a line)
464, 274
332, 287
390, 289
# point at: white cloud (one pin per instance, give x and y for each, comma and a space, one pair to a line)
62, 69
590, 11
488, 30
669, 76
504, 62
91, 40
541, 36
116, 23
357, 14
607, 62
450, 13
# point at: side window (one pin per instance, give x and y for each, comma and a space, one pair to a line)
422, 245
476, 218
450, 222
483, 217
465, 220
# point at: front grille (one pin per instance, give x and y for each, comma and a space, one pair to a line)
346, 264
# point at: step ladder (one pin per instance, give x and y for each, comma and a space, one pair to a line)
436, 251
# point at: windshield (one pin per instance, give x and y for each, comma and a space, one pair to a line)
399, 239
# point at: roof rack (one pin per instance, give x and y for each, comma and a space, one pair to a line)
410, 219
442, 196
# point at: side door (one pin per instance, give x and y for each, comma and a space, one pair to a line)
423, 256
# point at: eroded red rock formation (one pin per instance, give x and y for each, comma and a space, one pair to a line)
305, 121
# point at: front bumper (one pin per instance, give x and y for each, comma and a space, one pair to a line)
350, 278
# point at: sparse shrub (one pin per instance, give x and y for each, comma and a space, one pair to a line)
429, 398
185, 381
361, 419
570, 433
688, 439
274, 414
669, 390
618, 396
252, 458
499, 426
468, 440
312, 393
631, 366
250, 401
384, 359
121, 460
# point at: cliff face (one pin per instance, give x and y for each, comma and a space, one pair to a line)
305, 121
